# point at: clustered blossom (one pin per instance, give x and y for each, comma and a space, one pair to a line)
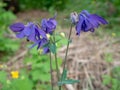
83, 22
86, 22
34, 32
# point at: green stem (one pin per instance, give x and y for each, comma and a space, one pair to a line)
51, 71
65, 60
56, 62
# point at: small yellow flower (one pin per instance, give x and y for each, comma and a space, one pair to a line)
113, 34
15, 74
62, 34
48, 36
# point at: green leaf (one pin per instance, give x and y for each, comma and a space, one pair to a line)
52, 48
106, 79
3, 77
70, 81
64, 76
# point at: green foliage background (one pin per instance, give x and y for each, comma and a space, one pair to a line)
43, 4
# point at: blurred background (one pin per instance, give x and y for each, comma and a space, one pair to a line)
93, 58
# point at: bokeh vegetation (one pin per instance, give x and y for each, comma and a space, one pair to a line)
37, 78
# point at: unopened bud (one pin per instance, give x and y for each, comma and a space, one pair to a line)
56, 44
48, 36
40, 51
74, 17
113, 34
62, 34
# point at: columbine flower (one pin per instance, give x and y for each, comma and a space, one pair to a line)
30, 31
88, 22
49, 25
15, 74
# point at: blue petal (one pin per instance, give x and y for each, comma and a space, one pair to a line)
46, 50
29, 29
42, 33
93, 21
32, 37
17, 27
79, 24
20, 35
99, 19
34, 45
85, 12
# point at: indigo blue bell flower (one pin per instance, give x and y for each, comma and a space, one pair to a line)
88, 22
49, 25
31, 31
41, 44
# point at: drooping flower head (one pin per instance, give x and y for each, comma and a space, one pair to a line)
35, 33
49, 25
87, 22
31, 31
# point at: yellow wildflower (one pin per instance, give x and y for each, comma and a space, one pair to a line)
15, 74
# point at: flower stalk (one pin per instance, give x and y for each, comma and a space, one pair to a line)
56, 61
51, 72
65, 60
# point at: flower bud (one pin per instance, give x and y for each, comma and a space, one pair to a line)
40, 51
74, 17
48, 36
113, 34
62, 34
56, 44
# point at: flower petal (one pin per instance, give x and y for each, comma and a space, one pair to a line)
29, 29
99, 19
79, 24
20, 35
17, 27
46, 50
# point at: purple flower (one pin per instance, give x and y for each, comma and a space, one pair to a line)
42, 43
88, 22
49, 25
31, 31
46, 50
